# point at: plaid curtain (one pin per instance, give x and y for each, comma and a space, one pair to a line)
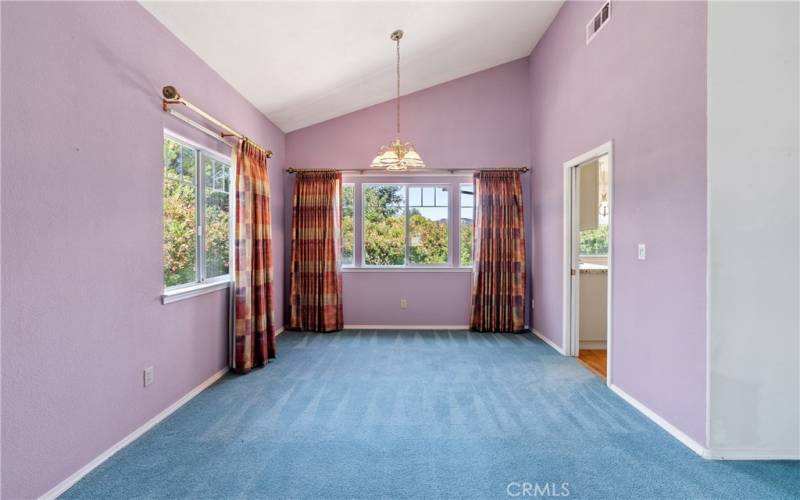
498, 291
316, 277
254, 329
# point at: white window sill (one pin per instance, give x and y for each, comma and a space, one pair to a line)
403, 269
188, 292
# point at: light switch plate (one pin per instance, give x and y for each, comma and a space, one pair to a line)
642, 251
149, 376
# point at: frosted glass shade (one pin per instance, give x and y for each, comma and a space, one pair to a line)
398, 157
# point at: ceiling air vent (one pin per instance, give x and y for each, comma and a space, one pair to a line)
600, 19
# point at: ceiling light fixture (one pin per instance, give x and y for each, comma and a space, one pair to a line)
398, 155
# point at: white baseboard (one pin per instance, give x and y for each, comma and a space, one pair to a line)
592, 344
647, 412
78, 475
280, 330
548, 341
406, 327
752, 454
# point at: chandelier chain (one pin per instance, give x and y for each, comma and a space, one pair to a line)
398, 88
397, 155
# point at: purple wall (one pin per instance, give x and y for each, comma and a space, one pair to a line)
440, 298
480, 120
81, 225
645, 88
81, 210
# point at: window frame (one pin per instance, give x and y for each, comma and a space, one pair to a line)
363, 262
460, 225
355, 218
449, 188
453, 229
202, 284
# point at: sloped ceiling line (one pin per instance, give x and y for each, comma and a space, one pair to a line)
320, 60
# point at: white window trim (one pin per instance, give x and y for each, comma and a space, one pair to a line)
405, 269
355, 195
183, 292
407, 265
203, 285
453, 228
458, 237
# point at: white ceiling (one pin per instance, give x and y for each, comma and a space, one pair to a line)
301, 63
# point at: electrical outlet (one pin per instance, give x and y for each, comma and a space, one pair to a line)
403, 304
148, 376
642, 251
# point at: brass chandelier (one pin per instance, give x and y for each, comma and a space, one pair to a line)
398, 155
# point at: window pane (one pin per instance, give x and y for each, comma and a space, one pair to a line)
179, 162
384, 225
415, 196
467, 197
428, 196
595, 241
427, 227
180, 214
348, 207
217, 208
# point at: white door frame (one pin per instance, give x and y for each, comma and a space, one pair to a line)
571, 282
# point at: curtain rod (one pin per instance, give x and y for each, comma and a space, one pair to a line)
171, 96
431, 171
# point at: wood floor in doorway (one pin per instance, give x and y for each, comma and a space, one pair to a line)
595, 360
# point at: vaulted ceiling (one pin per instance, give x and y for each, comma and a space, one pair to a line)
302, 63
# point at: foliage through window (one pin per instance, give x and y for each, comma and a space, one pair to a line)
594, 241
427, 225
196, 228
348, 233
391, 210
384, 225
467, 223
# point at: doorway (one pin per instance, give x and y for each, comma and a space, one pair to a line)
587, 259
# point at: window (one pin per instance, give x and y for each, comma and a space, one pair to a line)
427, 225
197, 225
348, 234
384, 225
466, 224
406, 225
594, 242
217, 216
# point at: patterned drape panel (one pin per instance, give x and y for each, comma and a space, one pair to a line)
498, 291
316, 278
254, 329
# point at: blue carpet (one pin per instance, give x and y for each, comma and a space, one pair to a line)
364, 414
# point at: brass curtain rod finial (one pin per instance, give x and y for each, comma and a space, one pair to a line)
170, 92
